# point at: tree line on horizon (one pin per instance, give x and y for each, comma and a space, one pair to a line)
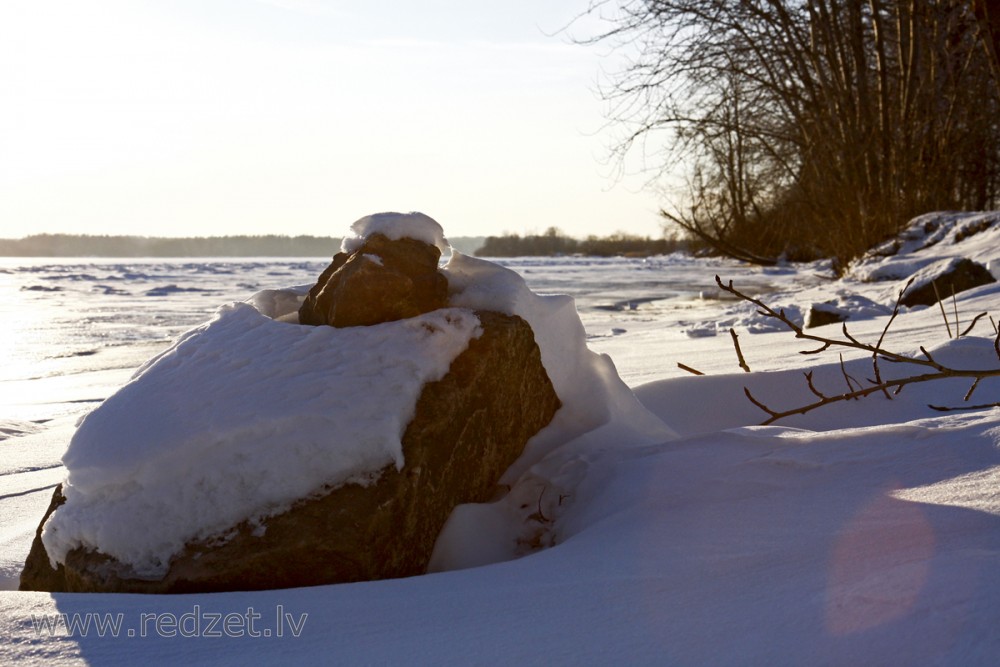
81, 245
270, 245
808, 128
554, 243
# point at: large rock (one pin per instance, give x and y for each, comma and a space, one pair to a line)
38, 573
955, 276
382, 281
821, 314
468, 428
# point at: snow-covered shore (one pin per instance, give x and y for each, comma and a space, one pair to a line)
864, 532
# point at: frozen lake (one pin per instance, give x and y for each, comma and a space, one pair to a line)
104, 316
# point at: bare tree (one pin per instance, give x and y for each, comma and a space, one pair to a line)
816, 127
988, 16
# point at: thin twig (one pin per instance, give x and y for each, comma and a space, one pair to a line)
940, 304
930, 359
847, 378
885, 330
739, 352
940, 408
687, 368
812, 387
972, 325
954, 303
848, 336
968, 394
539, 516
775, 415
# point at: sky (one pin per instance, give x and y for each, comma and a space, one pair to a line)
218, 117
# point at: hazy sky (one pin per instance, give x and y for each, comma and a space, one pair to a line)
211, 117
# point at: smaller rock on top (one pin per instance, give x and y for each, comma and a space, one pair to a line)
396, 226
388, 272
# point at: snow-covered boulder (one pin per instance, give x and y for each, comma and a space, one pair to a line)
250, 452
929, 239
943, 278
846, 306
466, 430
936, 255
821, 314
260, 453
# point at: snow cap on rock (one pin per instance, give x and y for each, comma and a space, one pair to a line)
395, 226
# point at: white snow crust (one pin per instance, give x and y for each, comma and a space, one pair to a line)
395, 226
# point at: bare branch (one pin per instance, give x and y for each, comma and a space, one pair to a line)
940, 303
849, 336
855, 390
857, 394
885, 330
819, 124
739, 352
687, 368
812, 387
972, 325
774, 415
826, 343
984, 406
847, 378
975, 384
954, 303
930, 359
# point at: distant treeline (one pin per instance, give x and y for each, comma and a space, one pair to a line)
272, 245
553, 242
70, 245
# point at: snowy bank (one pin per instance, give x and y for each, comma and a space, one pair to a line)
863, 533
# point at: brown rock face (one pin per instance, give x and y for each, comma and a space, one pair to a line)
468, 428
38, 574
962, 275
818, 315
381, 281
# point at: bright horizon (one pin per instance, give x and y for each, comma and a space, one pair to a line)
232, 117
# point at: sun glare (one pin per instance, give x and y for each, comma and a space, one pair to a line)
185, 118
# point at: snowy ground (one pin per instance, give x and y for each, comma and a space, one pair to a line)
865, 532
